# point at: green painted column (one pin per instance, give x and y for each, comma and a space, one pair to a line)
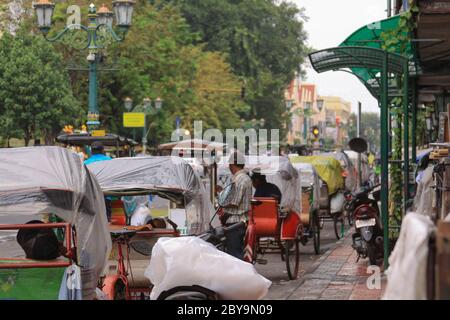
405, 136
384, 116
93, 113
414, 122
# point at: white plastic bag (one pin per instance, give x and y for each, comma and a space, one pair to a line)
141, 216
71, 284
187, 261
337, 202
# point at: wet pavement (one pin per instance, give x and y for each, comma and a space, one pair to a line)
332, 275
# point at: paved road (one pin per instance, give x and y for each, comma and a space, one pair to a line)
275, 269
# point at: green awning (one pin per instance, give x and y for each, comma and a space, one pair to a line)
370, 36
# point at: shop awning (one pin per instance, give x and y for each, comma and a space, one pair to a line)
370, 36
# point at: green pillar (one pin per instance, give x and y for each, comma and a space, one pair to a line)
405, 135
414, 122
93, 113
384, 115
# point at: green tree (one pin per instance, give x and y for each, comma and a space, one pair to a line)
265, 43
36, 96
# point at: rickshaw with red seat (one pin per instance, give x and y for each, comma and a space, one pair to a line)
38, 181
273, 226
188, 205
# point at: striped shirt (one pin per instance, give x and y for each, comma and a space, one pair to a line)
241, 196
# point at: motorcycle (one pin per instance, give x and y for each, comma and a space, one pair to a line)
368, 236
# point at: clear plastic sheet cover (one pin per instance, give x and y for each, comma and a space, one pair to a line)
278, 171
37, 180
424, 200
169, 177
308, 176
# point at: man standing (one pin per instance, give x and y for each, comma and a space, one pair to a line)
238, 206
98, 154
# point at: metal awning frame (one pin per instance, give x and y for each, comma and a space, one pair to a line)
375, 61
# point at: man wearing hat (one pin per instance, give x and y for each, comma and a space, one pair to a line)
264, 189
98, 154
239, 205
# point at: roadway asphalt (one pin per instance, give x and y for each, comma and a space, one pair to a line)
275, 269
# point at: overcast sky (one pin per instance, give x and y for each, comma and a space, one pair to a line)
331, 22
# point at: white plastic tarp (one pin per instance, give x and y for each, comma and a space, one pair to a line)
308, 176
424, 201
37, 180
365, 168
168, 177
188, 261
278, 170
407, 272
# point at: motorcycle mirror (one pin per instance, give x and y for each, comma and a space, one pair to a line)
358, 145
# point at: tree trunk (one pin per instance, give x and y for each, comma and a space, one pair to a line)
27, 137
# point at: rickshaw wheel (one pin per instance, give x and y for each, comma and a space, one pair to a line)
349, 217
292, 256
120, 291
338, 222
315, 225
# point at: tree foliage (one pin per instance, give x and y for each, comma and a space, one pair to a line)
265, 43
34, 89
195, 55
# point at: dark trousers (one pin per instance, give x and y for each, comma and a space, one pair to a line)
235, 241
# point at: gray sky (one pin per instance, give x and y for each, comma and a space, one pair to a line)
331, 22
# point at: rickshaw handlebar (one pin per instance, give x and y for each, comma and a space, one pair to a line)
234, 226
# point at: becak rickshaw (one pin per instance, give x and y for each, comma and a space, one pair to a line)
188, 212
273, 224
41, 181
332, 200
311, 185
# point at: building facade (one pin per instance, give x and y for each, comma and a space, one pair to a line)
337, 117
302, 105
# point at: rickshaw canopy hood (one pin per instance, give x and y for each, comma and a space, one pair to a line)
278, 171
37, 180
168, 177
309, 177
328, 168
351, 180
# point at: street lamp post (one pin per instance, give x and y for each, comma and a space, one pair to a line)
146, 108
99, 22
307, 108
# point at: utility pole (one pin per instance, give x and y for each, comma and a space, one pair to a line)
389, 8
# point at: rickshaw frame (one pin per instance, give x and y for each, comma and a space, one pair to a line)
70, 255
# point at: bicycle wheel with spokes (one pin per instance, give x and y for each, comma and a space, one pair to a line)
338, 221
292, 257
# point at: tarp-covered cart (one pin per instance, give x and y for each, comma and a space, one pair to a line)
38, 181
170, 178
331, 203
